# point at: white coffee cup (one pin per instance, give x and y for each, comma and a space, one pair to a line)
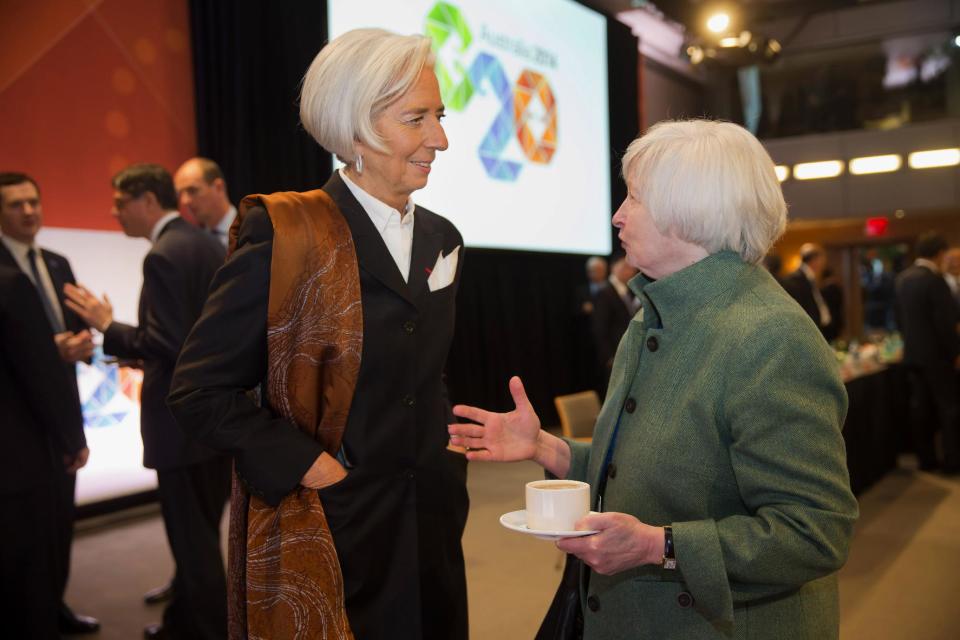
556, 505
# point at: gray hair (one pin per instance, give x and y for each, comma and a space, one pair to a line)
353, 80
709, 183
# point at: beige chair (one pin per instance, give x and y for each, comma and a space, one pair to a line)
578, 413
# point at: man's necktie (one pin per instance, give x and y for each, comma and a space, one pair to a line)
55, 322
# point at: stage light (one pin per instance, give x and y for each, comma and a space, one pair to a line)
718, 22
934, 158
875, 164
817, 170
783, 172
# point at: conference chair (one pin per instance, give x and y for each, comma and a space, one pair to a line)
578, 413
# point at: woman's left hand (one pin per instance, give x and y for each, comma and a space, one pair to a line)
623, 542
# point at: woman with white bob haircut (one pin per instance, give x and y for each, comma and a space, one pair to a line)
717, 467
338, 304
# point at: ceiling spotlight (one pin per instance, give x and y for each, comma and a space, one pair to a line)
718, 22
956, 41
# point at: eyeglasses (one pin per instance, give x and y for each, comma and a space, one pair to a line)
122, 201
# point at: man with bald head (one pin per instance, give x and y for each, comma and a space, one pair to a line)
202, 191
804, 285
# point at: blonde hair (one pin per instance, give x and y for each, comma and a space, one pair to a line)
353, 80
709, 183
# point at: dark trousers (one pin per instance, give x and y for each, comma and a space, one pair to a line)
28, 573
192, 500
934, 404
64, 489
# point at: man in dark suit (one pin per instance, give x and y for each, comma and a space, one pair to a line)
804, 285
193, 480
613, 307
929, 321
202, 190
42, 432
21, 217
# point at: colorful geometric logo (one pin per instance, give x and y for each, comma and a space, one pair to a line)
108, 392
525, 106
443, 21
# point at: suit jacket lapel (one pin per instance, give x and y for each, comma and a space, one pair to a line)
427, 245
6, 258
372, 253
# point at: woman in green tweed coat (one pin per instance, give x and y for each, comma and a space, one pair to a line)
720, 435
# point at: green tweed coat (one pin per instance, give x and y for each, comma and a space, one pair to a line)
730, 406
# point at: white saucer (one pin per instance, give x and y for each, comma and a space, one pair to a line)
517, 521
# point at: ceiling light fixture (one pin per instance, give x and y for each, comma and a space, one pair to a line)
875, 164
933, 158
817, 170
718, 22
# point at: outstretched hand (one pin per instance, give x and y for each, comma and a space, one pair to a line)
96, 312
498, 437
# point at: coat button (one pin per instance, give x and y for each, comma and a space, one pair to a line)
593, 603
652, 343
612, 470
684, 599
409, 326
409, 401
630, 405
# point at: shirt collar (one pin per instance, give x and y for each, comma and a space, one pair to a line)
929, 264
807, 271
223, 228
379, 211
161, 223
673, 297
18, 248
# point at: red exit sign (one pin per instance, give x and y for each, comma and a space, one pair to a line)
876, 226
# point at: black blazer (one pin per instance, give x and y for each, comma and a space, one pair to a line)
801, 290
176, 276
38, 399
928, 318
398, 516
609, 322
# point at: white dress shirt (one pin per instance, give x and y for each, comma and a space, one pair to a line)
19, 251
396, 230
222, 230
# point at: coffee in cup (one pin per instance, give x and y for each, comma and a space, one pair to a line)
556, 505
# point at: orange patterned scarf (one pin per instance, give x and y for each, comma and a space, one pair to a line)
285, 579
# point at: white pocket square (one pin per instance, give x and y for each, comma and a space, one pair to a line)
444, 271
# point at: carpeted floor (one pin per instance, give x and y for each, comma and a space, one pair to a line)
902, 580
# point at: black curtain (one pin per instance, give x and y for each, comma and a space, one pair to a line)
249, 57
516, 311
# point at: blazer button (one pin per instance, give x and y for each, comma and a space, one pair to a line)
409, 401
684, 599
612, 471
652, 343
409, 326
630, 405
593, 603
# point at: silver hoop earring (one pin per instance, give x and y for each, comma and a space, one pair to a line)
358, 164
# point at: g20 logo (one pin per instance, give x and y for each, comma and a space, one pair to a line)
515, 114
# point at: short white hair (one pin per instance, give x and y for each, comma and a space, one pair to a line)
709, 183
353, 80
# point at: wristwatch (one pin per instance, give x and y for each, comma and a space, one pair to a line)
669, 559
